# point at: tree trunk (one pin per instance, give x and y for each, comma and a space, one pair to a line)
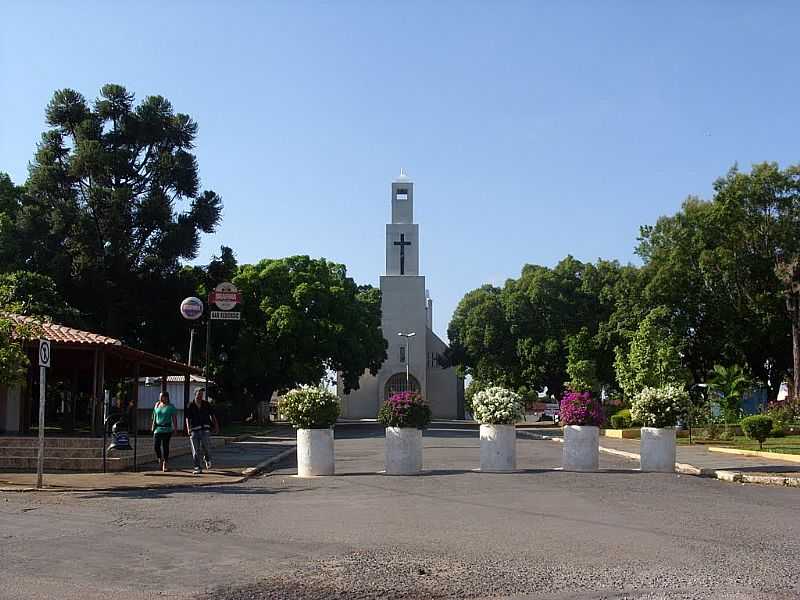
796, 346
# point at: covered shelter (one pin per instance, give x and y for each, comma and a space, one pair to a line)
91, 375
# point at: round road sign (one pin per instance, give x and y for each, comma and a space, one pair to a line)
192, 308
225, 296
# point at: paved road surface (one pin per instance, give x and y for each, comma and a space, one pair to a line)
453, 533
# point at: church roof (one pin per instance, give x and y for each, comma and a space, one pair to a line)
402, 178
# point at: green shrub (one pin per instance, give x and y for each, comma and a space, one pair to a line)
621, 419
757, 427
310, 408
726, 435
712, 431
777, 432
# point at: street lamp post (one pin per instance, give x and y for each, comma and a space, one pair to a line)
408, 335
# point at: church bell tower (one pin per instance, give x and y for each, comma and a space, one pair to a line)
402, 234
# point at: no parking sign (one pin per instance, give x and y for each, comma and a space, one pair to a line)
44, 353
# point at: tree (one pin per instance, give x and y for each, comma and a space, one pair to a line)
518, 336
581, 366
731, 383
653, 359
765, 248
480, 339
301, 317
32, 294
14, 359
716, 264
113, 205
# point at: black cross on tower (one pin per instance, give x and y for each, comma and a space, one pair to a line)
402, 243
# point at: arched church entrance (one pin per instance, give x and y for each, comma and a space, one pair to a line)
398, 383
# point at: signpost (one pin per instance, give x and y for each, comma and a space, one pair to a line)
226, 297
44, 363
191, 309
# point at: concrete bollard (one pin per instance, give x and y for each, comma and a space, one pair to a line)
403, 450
657, 449
581, 448
498, 447
315, 452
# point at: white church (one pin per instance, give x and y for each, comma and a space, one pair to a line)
407, 322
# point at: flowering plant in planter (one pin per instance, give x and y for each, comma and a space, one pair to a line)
405, 409
310, 407
660, 407
497, 406
580, 408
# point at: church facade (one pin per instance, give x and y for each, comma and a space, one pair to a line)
414, 351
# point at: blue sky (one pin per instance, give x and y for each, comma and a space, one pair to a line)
531, 129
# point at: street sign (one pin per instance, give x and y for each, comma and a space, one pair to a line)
44, 353
226, 296
192, 308
225, 315
44, 363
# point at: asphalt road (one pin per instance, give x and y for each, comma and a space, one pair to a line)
451, 533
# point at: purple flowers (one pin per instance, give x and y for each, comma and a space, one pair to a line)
580, 408
405, 409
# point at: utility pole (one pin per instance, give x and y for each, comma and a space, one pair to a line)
408, 335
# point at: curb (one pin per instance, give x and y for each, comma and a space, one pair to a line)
262, 466
244, 476
687, 469
793, 458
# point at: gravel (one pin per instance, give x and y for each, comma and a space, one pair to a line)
394, 573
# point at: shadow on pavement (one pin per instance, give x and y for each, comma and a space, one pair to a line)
224, 490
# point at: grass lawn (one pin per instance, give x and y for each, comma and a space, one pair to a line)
785, 445
236, 429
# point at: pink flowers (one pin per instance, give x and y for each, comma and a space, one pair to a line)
580, 408
405, 409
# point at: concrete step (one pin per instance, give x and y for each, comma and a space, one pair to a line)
27, 463
51, 452
51, 442
89, 459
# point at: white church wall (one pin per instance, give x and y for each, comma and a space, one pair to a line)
403, 305
361, 403
442, 383
410, 239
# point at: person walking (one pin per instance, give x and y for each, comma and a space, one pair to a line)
200, 421
165, 423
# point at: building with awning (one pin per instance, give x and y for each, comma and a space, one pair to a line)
90, 376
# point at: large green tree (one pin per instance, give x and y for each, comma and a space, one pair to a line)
716, 266
520, 335
303, 317
32, 294
481, 343
111, 208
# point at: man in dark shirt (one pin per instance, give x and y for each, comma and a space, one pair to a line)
200, 421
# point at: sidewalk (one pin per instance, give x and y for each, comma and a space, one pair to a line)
696, 460
233, 463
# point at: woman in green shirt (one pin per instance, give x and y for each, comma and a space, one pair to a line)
165, 422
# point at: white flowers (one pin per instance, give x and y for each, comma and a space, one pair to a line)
660, 407
310, 407
497, 406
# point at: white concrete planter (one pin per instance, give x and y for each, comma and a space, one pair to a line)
403, 450
315, 452
657, 449
581, 448
498, 447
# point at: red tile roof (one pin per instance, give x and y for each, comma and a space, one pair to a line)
66, 335
59, 334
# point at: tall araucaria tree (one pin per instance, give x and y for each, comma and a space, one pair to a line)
112, 206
